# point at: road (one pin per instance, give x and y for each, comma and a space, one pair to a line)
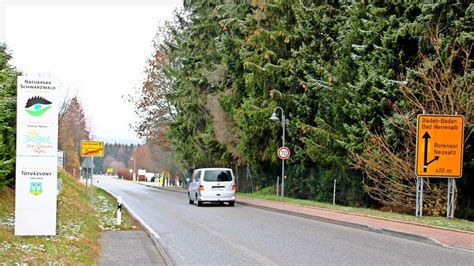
216, 235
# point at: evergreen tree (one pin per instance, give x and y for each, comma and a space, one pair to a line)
339, 69
8, 77
192, 53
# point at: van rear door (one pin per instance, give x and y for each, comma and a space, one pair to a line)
218, 180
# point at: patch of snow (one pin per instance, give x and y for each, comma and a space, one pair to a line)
5, 246
392, 81
359, 47
9, 221
354, 56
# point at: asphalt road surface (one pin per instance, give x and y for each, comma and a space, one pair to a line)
216, 235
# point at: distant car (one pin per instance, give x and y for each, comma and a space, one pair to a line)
212, 185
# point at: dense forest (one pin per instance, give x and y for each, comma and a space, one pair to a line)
115, 156
351, 77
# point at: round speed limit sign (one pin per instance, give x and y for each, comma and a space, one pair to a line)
284, 153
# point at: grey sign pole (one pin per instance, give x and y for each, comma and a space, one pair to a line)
451, 192
85, 175
450, 199
419, 196
283, 178
419, 193
92, 177
278, 184
283, 124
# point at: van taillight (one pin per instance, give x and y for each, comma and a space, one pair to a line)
201, 188
234, 188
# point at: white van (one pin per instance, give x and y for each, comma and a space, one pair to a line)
212, 185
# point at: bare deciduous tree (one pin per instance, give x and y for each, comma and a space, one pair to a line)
151, 102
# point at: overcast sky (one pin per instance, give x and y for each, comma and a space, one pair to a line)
95, 48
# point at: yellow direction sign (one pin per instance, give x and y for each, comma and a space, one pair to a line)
92, 148
439, 146
110, 170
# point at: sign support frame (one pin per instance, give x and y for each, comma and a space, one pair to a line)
450, 199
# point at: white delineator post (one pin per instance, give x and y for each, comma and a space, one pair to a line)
119, 210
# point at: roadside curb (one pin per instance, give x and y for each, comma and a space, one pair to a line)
155, 238
370, 216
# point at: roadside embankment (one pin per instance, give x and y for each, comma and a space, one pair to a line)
78, 228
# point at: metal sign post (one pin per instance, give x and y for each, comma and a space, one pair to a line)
278, 184
282, 178
283, 153
450, 199
92, 178
86, 176
419, 196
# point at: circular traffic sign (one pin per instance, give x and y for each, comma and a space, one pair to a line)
283, 153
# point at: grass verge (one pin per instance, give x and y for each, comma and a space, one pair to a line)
78, 228
458, 224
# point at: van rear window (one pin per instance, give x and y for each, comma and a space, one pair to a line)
217, 176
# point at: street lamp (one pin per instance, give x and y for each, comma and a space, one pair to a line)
275, 118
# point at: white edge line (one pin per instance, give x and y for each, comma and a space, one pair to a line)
135, 216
